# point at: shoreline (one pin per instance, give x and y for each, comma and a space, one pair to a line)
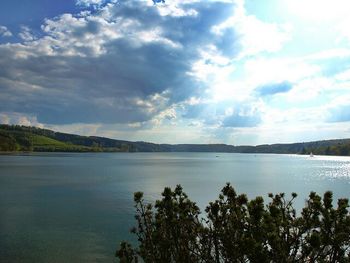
252, 153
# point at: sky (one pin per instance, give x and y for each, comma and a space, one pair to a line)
241, 72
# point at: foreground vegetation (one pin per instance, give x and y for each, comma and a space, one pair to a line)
236, 229
24, 138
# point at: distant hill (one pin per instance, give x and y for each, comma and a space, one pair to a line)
22, 138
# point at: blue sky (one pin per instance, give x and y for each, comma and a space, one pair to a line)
189, 71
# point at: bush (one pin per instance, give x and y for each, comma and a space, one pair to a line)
238, 230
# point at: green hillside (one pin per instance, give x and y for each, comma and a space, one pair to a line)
21, 138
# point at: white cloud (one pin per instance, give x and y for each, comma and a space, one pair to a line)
175, 8
343, 76
155, 35
256, 72
258, 36
344, 29
4, 32
329, 54
87, 34
318, 10
19, 119
89, 2
212, 65
273, 70
26, 34
4, 118
330, 15
255, 35
76, 36
309, 89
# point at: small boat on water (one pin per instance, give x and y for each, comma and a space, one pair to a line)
311, 154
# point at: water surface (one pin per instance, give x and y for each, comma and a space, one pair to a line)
77, 207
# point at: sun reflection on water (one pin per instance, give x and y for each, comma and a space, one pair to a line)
332, 167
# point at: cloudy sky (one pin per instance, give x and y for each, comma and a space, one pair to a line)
178, 71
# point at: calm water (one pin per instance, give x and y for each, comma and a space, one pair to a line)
77, 207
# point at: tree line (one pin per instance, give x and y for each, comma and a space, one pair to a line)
16, 137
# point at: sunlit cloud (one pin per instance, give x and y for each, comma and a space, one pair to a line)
319, 10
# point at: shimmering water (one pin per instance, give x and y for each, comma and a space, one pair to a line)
77, 207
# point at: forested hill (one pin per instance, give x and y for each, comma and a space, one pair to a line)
23, 138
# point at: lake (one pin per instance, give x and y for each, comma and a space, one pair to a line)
77, 207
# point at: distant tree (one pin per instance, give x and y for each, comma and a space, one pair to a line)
238, 230
344, 150
303, 151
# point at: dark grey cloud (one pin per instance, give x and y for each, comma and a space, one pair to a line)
123, 63
274, 88
158, 1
